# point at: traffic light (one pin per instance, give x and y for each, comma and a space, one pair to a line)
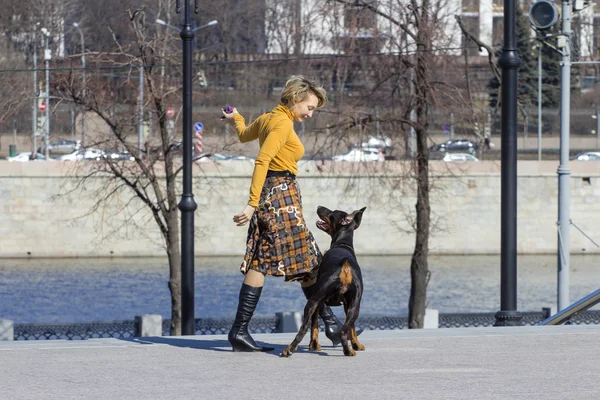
543, 15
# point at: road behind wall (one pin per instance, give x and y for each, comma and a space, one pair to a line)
38, 218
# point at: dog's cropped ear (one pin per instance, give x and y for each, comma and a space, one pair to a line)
357, 215
323, 212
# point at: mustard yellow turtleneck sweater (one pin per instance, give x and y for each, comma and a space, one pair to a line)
280, 147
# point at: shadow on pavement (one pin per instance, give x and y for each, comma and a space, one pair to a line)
219, 345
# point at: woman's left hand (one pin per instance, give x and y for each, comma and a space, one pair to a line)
229, 116
242, 218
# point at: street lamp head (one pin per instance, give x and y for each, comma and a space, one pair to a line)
75, 24
213, 22
160, 22
45, 31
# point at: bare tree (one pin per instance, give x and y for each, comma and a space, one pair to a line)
409, 79
150, 181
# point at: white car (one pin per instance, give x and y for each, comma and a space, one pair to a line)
26, 157
73, 156
83, 154
93, 154
361, 155
459, 157
215, 157
587, 156
377, 142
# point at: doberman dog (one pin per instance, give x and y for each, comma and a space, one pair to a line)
339, 281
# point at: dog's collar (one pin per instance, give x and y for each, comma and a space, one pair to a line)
344, 245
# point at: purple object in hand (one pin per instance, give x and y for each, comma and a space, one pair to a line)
228, 109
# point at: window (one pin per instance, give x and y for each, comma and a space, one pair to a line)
472, 26
597, 36
359, 18
498, 5
498, 32
470, 6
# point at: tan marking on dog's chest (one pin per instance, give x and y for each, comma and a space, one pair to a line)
346, 275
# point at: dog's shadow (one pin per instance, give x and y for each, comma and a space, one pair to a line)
218, 345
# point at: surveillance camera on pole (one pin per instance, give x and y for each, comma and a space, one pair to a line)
543, 15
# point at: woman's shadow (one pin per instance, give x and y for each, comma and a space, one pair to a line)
205, 342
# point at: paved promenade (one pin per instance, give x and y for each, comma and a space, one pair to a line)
561, 362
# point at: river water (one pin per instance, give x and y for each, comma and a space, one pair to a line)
94, 290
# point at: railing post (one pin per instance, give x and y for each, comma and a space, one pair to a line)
547, 312
288, 322
432, 319
148, 325
7, 330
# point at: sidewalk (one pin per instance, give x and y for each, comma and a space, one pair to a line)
558, 362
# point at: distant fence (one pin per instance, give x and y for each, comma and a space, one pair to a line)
219, 326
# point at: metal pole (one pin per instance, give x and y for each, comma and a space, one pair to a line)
187, 205
540, 103
83, 91
509, 61
83, 78
72, 120
413, 117
141, 111
35, 92
47, 57
597, 125
564, 174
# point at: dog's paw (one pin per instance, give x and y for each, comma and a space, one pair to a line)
314, 346
286, 353
358, 346
349, 352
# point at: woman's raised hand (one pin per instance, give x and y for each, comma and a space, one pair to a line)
229, 115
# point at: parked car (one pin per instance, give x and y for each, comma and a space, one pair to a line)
75, 155
83, 154
459, 157
382, 143
93, 154
457, 146
61, 146
361, 155
118, 156
28, 156
587, 156
222, 157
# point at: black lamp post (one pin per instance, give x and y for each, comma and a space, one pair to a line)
509, 62
187, 205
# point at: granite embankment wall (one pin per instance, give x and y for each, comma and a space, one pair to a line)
40, 215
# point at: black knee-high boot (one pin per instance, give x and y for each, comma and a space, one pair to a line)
333, 326
239, 337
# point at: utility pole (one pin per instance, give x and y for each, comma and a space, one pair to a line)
597, 125
141, 111
564, 173
540, 102
413, 117
47, 57
83, 82
34, 122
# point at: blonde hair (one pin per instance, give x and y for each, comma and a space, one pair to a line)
297, 88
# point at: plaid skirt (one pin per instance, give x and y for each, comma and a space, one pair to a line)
279, 243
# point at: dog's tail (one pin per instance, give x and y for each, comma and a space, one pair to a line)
346, 276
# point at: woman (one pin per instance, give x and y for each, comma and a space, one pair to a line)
279, 242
